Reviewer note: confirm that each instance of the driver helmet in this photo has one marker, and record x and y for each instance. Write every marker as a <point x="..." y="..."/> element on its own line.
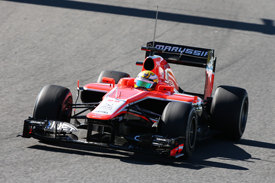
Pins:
<point x="146" y="80"/>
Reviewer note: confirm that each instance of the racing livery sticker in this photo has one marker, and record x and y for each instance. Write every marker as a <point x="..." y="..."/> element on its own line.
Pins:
<point x="177" y="49"/>
<point x="108" y="106"/>
<point x="171" y="79"/>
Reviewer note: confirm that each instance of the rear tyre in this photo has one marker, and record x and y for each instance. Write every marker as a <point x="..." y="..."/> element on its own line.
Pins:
<point x="112" y="74"/>
<point x="229" y="110"/>
<point x="53" y="103"/>
<point x="180" y="120"/>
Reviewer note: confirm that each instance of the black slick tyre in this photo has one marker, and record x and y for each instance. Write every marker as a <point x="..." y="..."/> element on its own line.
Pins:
<point x="180" y="120"/>
<point x="53" y="103"/>
<point x="229" y="111"/>
<point x="112" y="74"/>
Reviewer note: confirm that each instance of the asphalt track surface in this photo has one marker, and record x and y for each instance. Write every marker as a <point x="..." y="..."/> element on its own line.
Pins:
<point x="58" y="42"/>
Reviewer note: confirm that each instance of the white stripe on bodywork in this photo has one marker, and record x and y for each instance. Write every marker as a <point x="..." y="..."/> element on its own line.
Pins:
<point x="156" y="98"/>
<point x="88" y="89"/>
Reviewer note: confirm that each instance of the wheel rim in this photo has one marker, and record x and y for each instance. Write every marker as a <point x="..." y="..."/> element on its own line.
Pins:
<point x="243" y="117"/>
<point x="192" y="134"/>
<point x="66" y="108"/>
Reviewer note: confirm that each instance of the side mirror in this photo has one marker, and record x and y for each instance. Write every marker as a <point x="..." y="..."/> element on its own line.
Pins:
<point x="162" y="88"/>
<point x="109" y="80"/>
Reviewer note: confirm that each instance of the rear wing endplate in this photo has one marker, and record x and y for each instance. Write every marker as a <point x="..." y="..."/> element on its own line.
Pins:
<point x="180" y="54"/>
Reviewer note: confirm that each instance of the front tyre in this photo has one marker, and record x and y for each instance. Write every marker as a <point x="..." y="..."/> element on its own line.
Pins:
<point x="53" y="103"/>
<point x="180" y="120"/>
<point x="229" y="111"/>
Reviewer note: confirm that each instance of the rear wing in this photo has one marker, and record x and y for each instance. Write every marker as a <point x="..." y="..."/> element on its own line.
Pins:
<point x="186" y="55"/>
<point x="180" y="54"/>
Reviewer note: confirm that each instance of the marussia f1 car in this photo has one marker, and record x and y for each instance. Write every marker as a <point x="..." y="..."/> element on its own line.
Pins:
<point x="125" y="113"/>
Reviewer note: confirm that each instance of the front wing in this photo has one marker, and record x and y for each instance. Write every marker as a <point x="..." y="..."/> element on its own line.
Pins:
<point x="52" y="131"/>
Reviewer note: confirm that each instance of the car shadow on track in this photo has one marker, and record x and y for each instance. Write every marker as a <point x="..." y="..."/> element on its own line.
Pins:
<point x="267" y="27"/>
<point x="213" y="152"/>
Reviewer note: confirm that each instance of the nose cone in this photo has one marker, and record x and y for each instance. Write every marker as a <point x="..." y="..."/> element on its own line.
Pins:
<point x="107" y="109"/>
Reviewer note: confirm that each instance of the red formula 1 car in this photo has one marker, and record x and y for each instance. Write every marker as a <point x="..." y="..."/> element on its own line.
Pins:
<point x="150" y="113"/>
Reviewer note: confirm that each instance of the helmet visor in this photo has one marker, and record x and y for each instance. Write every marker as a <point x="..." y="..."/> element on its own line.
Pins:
<point x="144" y="84"/>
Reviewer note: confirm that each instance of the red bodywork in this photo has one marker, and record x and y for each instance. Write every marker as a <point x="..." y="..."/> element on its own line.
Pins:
<point x="122" y="94"/>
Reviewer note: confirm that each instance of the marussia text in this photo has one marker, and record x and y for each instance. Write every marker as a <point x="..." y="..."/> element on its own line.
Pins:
<point x="182" y="50"/>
